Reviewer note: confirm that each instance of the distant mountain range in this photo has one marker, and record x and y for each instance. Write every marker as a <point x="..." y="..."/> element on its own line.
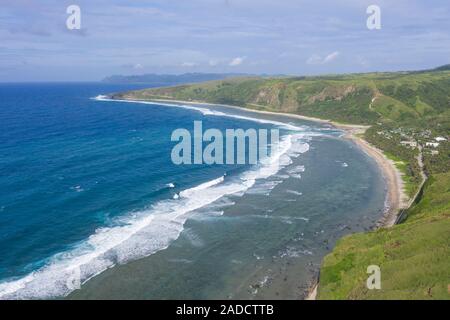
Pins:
<point x="196" y="77"/>
<point x="171" y="79"/>
<point x="443" y="68"/>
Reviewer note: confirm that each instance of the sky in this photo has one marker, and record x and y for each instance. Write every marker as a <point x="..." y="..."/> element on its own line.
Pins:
<point x="295" y="37"/>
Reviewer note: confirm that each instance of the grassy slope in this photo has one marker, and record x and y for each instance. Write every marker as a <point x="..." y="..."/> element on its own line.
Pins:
<point x="413" y="256"/>
<point x="400" y="96"/>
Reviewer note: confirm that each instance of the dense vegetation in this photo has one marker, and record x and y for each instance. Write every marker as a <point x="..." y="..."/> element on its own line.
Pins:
<point x="388" y="139"/>
<point x="401" y="107"/>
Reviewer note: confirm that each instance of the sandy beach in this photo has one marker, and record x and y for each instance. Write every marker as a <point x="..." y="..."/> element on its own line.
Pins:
<point x="396" y="197"/>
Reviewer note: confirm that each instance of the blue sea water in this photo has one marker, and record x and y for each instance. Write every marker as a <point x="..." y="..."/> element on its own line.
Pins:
<point x="70" y="165"/>
<point x="90" y="184"/>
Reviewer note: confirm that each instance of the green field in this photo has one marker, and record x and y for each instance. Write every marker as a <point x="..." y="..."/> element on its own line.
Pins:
<point x="414" y="256"/>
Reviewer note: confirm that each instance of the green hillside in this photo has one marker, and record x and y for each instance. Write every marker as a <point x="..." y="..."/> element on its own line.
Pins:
<point x="347" y="98"/>
<point x="402" y="108"/>
<point x="414" y="256"/>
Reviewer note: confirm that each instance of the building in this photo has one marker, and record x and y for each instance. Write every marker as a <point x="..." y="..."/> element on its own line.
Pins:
<point x="434" y="152"/>
<point x="439" y="139"/>
<point x="432" y="144"/>
<point x="411" y="144"/>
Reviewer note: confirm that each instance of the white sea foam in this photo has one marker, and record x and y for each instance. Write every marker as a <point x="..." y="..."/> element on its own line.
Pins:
<point x="184" y="261"/>
<point x="144" y="234"/>
<point x="343" y="164"/>
<point x="193" y="238"/>
<point x="77" y="188"/>
<point x="259" y="285"/>
<point x="208" y="112"/>
<point x="264" y="188"/>
<point x="284" y="218"/>
<point x="294" y="192"/>
<point x="190" y="192"/>
<point x="282" y="176"/>
<point x="296" y="171"/>
<point x="292" y="252"/>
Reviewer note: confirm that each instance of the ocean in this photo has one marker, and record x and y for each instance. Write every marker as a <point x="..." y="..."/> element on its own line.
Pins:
<point x="89" y="193"/>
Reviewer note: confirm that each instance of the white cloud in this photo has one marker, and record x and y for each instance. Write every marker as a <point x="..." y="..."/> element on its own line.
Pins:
<point x="136" y="66"/>
<point x="213" y="63"/>
<point x="331" y="57"/>
<point x="236" y="61"/>
<point x="316" y="59"/>
<point x="362" y="61"/>
<point x="189" y="64"/>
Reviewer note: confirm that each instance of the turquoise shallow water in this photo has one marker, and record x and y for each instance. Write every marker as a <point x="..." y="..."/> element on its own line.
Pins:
<point x="90" y="185"/>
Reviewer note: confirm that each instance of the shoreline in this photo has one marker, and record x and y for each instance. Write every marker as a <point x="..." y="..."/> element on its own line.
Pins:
<point x="287" y="115"/>
<point x="396" y="198"/>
